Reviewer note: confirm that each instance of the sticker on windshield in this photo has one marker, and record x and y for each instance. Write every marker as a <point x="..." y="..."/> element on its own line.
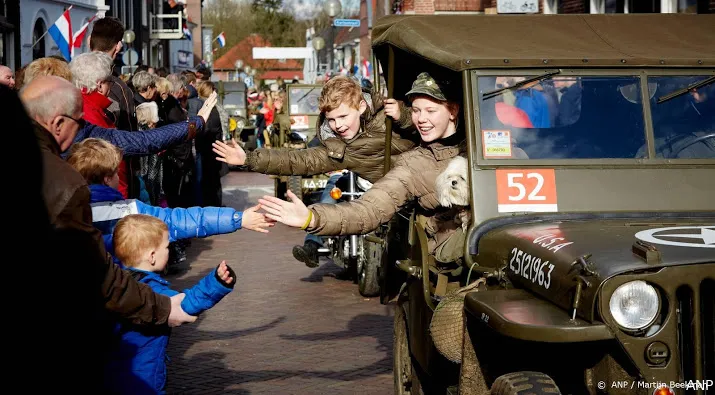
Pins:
<point x="681" y="236"/>
<point x="299" y="122"/>
<point x="496" y="143"/>
<point x="526" y="190"/>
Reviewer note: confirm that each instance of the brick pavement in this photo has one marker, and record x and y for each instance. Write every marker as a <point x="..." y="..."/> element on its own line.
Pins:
<point x="286" y="328"/>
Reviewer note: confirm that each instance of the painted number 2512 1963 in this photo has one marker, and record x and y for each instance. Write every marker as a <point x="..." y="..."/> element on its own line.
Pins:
<point x="530" y="267"/>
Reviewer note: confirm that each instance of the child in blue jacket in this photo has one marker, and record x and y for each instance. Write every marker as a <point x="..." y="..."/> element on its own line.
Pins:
<point x="98" y="162"/>
<point x="137" y="359"/>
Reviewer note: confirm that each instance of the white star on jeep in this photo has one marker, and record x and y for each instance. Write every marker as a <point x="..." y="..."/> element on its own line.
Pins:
<point x="706" y="235"/>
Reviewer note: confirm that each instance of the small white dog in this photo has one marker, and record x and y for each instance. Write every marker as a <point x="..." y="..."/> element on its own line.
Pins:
<point x="453" y="189"/>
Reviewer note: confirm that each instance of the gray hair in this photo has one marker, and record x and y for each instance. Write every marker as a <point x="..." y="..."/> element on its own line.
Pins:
<point x="142" y="81"/>
<point x="90" y="68"/>
<point x="178" y="82"/>
<point x="64" y="99"/>
<point x="147" y="113"/>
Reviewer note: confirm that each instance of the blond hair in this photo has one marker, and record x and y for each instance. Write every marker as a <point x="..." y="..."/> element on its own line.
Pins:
<point x="136" y="234"/>
<point x="205" y="88"/>
<point x="163" y="85"/>
<point x="95" y="159"/>
<point x="339" y="90"/>
<point x="47" y="66"/>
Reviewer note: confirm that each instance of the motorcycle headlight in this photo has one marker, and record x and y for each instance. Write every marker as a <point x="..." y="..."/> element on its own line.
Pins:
<point x="363" y="184"/>
<point x="634" y="305"/>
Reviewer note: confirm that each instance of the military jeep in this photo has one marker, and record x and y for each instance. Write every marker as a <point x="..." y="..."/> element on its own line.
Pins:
<point x="232" y="96"/>
<point x="589" y="263"/>
<point x="304" y="112"/>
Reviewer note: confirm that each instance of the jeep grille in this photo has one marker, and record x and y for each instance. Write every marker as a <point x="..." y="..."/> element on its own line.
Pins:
<point x="696" y="331"/>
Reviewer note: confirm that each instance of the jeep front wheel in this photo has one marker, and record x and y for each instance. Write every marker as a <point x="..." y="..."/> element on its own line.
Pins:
<point x="522" y="383"/>
<point x="405" y="377"/>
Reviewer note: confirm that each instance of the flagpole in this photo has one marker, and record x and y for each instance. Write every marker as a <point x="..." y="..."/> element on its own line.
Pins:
<point x="46" y="31"/>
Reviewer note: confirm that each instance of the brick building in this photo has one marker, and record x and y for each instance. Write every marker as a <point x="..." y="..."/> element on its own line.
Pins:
<point x="267" y="70"/>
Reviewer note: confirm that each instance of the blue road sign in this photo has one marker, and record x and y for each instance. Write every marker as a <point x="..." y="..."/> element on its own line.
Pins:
<point x="346" y="23"/>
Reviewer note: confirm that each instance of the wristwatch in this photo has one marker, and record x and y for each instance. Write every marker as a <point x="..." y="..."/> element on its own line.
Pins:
<point x="192" y="131"/>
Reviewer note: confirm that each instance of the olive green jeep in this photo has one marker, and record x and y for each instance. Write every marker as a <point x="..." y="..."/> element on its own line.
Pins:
<point x="304" y="112"/>
<point x="589" y="263"/>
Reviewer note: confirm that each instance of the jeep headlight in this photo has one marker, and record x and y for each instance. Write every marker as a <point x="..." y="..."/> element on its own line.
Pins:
<point x="363" y="184"/>
<point x="634" y="305"/>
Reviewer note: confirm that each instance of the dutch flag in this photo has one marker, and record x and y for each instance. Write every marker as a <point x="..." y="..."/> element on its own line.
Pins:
<point x="187" y="32"/>
<point x="221" y="40"/>
<point x="80" y="34"/>
<point x="366" y="69"/>
<point x="61" y="32"/>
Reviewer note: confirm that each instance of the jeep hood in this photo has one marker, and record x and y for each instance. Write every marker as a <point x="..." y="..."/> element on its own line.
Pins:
<point x="540" y="256"/>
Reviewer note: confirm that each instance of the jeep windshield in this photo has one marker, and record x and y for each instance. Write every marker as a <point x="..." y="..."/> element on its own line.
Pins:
<point x="234" y="99"/>
<point x="592" y="117"/>
<point x="683" y="126"/>
<point x="304" y="100"/>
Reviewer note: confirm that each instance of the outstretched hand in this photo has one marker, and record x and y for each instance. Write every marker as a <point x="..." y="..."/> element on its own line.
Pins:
<point x="224" y="274"/>
<point x="255" y="221"/>
<point x="293" y="213"/>
<point x="209" y="104"/>
<point x="232" y="154"/>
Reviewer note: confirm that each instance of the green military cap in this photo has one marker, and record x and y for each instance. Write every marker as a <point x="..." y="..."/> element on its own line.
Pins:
<point x="426" y="85"/>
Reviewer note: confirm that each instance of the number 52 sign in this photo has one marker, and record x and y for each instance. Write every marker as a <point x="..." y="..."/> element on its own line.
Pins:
<point x="526" y="190"/>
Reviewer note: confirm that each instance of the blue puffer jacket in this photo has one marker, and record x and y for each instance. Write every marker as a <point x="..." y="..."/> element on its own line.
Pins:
<point x="137" y="361"/>
<point x="109" y="206"/>
<point x="140" y="143"/>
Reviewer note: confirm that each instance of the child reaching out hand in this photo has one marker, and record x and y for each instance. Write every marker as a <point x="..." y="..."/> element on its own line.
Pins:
<point x="98" y="162"/>
<point x="137" y="360"/>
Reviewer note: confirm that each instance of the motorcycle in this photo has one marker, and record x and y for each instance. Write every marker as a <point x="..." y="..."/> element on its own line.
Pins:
<point x="359" y="254"/>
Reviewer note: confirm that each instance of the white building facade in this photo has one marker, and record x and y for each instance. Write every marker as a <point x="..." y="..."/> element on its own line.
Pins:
<point x="36" y="16"/>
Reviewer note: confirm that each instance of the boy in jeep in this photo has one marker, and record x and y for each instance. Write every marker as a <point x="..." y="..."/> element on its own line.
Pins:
<point x="351" y="130"/>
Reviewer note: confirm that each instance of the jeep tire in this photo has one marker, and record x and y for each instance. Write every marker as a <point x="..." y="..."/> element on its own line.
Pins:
<point x="522" y="383"/>
<point x="295" y="185"/>
<point x="404" y="374"/>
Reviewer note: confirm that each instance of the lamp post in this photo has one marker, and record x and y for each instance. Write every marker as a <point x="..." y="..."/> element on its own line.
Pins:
<point x="332" y="8"/>
<point x="318" y="44"/>
<point x="128" y="38"/>
<point x="340" y="55"/>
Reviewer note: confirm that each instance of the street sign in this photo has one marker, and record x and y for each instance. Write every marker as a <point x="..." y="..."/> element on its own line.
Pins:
<point x="130" y="57"/>
<point x="346" y="23"/>
<point x="282" y="53"/>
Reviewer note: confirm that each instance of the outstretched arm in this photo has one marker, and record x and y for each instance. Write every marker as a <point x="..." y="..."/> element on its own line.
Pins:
<point x="303" y="162"/>
<point x="144" y="142"/>
<point x="359" y="216"/>
<point x="152" y="141"/>
<point x="192" y="222"/>
<point x="210" y="290"/>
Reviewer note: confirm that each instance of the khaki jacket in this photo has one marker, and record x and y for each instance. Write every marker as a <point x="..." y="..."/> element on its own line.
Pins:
<point x="364" y="154"/>
<point x="412" y="178"/>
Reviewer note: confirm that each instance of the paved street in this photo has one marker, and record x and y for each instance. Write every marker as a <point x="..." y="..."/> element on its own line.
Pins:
<point x="286" y="328"/>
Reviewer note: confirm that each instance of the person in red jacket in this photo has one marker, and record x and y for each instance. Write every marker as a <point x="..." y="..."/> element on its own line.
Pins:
<point x="91" y="73"/>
